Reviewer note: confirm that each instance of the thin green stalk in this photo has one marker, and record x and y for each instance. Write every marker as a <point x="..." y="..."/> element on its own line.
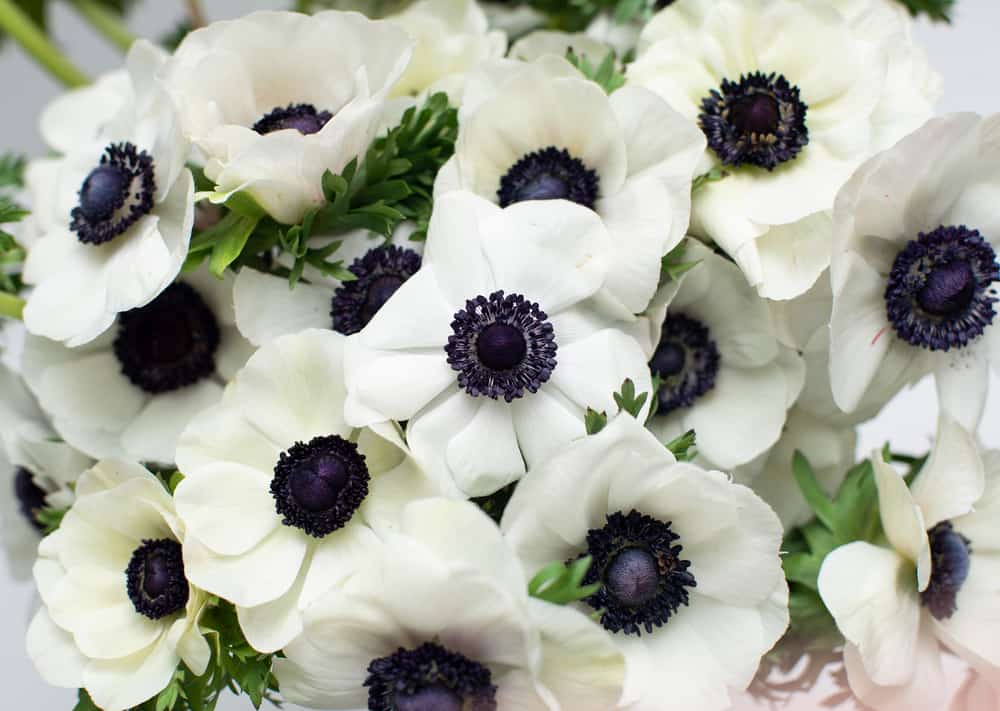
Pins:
<point x="18" y="25"/>
<point x="105" y="22"/>
<point x="11" y="306"/>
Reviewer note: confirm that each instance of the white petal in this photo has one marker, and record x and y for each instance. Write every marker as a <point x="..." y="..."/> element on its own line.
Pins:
<point x="228" y="507"/>
<point x="553" y="253"/>
<point x="267" y="308"/>
<point x="953" y="479"/>
<point x="455" y="250"/>
<point x="483" y="456"/>
<point x="221" y="433"/>
<point x="238" y="578"/>
<point x="52" y="651"/>
<point x="902" y="520"/>
<point x="545" y="421"/>
<point x="742" y="416"/>
<point x="581" y="666"/>
<point x="590" y="370"/>
<point x="975" y="624"/>
<point x="860" y="334"/>
<point x="152" y="436"/>
<point x="128" y="681"/>
<point x="962" y="383"/>
<point x="876" y="607"/>
<point x="925" y="690"/>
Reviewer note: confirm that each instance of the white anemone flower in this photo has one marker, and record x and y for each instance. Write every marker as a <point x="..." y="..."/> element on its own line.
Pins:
<point x="440" y="621"/>
<point x="275" y="99"/>
<point x="693" y="593"/>
<point x="281" y="497"/>
<point x="522" y="138"/>
<point x="792" y="96"/>
<point x="452" y="38"/>
<point x="934" y="584"/>
<point x="830" y="449"/>
<point x="115" y="231"/>
<point x="131" y="392"/>
<point x="38" y="471"/>
<point x="493" y="351"/>
<point x="539" y="43"/>
<point x="722" y="371"/>
<point x="267" y="308"/>
<point x="915" y="274"/>
<point x="119" y="614"/>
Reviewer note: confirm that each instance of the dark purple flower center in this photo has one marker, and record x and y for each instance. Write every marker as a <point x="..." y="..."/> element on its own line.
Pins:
<point x="115" y="195"/>
<point x="169" y="343"/>
<point x="155" y="579"/>
<point x="950" y="562"/>
<point x="429" y="678"/>
<point x="304" y="118"/>
<point x="686" y="361"/>
<point x="942" y="288"/>
<point x="30" y="496"/>
<point x="319" y="485"/>
<point x="759" y="120"/>
<point x="549" y="174"/>
<point x="379" y="274"/>
<point x="643" y="578"/>
<point x="502" y="346"/>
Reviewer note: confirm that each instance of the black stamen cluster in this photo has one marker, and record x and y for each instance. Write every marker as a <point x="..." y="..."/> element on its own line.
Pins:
<point x="549" y="174"/>
<point x="155" y="579"/>
<point x="687" y="362"/>
<point x="115" y="195"/>
<point x="379" y="274"/>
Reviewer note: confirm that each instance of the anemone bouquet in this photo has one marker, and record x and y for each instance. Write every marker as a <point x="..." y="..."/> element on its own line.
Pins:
<point x="446" y="356"/>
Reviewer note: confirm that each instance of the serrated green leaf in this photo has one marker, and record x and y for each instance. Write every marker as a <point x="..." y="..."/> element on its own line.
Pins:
<point x="594" y="421"/>
<point x="682" y="447"/>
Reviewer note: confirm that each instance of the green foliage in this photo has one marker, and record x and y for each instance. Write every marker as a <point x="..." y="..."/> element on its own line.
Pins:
<point x="50" y="518"/>
<point x="673" y="265"/>
<point x="11" y="171"/>
<point x="714" y="175"/>
<point x="84" y="702"/>
<point x="683" y="447"/>
<point x="234" y="665"/>
<point x="496" y="503"/>
<point x="606" y="75"/>
<point x="935" y="9"/>
<point x="393" y="182"/>
<point x="559" y="583"/>
<point x="851" y="515"/>
<point x="38" y="10"/>
<point x="627" y="401"/>
<point x="575" y="15"/>
<point x="11" y="253"/>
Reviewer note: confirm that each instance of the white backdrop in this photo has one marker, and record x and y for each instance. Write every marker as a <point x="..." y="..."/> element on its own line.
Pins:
<point x="966" y="53"/>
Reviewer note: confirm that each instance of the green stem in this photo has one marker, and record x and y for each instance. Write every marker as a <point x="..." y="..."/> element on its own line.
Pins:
<point x="18" y="25"/>
<point x="11" y="306"/>
<point x="105" y="22"/>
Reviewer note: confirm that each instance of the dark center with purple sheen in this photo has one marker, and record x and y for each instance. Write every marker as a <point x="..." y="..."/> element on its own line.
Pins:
<point x="319" y="485"/>
<point x="942" y="288"/>
<point x="155" y="579"/>
<point x="549" y="174"/>
<point x="429" y="678"/>
<point x="644" y="579"/>
<point x="304" y="118"/>
<point x="950" y="563"/>
<point x="115" y="195"/>
<point x="380" y="273"/>
<point x="170" y="343"/>
<point x="686" y="361"/>
<point x="503" y="345"/>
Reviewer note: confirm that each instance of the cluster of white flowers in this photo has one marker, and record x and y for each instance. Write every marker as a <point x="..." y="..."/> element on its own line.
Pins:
<point x="393" y="364"/>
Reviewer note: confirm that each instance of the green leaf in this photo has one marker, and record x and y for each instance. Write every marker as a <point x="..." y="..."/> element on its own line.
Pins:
<point x="559" y="583"/>
<point x="812" y="491"/>
<point x="606" y="75"/>
<point x="712" y="176"/>
<point x="683" y="447"/>
<point x="84" y="702"/>
<point x="628" y="401"/>
<point x="803" y="568"/>
<point x="12" y="171"/>
<point x="595" y="421"/>
<point x="50" y="518"/>
<point x="673" y="266"/>
<point x="230" y="244"/>
<point x="935" y="9"/>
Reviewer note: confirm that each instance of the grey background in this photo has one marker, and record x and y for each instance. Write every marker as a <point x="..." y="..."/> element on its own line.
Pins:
<point x="966" y="53"/>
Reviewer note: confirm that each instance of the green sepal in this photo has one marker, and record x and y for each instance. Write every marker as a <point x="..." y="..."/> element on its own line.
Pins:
<point x="683" y="447"/>
<point x="559" y="583"/>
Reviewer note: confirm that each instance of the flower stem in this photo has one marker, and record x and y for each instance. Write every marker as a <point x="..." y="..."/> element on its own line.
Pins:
<point x="105" y="22"/>
<point x="18" y="25"/>
<point x="11" y="306"/>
